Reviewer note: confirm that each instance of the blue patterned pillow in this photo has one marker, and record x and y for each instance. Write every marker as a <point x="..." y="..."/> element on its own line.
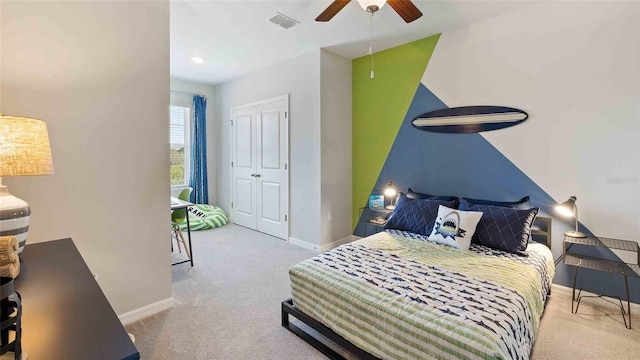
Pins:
<point x="522" y="204"/>
<point x="502" y="228"/>
<point x="415" y="215"/>
<point x="416" y="195"/>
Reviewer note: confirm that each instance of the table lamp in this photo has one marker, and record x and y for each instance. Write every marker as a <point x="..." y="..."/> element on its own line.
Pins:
<point x="24" y="151"/>
<point x="569" y="209"/>
<point x="390" y="192"/>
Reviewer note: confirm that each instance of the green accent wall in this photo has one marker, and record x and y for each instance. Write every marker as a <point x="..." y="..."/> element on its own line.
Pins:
<point x="379" y="106"/>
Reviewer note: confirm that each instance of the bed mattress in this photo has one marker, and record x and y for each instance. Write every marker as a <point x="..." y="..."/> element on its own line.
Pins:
<point x="398" y="296"/>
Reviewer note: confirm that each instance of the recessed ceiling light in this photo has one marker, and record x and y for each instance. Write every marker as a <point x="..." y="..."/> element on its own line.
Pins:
<point x="197" y="59"/>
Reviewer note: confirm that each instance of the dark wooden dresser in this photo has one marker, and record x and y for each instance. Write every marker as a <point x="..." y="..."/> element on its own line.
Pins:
<point x="65" y="314"/>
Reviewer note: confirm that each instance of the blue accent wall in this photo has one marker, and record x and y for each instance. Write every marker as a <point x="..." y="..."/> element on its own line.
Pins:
<point x="467" y="165"/>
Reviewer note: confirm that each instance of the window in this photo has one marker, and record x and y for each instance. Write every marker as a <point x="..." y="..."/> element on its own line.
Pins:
<point x="179" y="120"/>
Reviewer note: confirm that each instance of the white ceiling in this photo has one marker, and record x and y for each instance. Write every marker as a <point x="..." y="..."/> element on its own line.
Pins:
<point x="235" y="37"/>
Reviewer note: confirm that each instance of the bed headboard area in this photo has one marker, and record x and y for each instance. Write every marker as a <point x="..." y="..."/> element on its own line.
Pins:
<point x="579" y="138"/>
<point x="541" y="231"/>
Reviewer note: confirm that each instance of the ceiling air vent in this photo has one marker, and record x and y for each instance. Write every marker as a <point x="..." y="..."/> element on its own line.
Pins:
<point x="283" y="20"/>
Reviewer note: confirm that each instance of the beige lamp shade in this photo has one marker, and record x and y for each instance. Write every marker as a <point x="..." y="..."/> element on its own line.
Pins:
<point x="24" y="147"/>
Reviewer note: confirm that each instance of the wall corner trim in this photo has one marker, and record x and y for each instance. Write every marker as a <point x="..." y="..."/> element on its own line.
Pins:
<point x="304" y="244"/>
<point x="338" y="242"/>
<point x="325" y="247"/>
<point x="145" y="311"/>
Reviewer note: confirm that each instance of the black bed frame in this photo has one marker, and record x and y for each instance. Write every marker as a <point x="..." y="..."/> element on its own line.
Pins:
<point x="288" y="308"/>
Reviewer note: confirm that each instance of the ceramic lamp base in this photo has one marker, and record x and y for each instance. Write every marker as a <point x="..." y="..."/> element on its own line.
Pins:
<point x="14" y="217"/>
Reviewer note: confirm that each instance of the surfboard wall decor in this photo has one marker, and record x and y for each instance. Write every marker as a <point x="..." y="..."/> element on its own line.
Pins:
<point x="469" y="119"/>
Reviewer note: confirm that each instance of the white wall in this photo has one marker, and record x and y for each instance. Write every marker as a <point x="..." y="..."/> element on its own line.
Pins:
<point x="186" y="89"/>
<point x="98" y="74"/>
<point x="336" y="151"/>
<point x="575" y="68"/>
<point x="319" y="84"/>
<point x="299" y="77"/>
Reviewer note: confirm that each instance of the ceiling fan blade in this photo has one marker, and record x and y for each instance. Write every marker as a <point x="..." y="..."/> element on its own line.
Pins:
<point x="332" y="10"/>
<point x="406" y="9"/>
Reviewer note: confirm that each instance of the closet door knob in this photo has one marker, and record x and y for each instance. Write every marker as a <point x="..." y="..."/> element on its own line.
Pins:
<point x="258" y="175"/>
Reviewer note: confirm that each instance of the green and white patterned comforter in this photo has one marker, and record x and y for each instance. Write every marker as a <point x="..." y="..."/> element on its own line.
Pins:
<point x="398" y="296"/>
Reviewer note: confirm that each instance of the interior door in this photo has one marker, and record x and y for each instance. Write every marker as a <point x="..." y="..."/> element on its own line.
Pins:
<point x="271" y="168"/>
<point x="260" y="180"/>
<point x="243" y="163"/>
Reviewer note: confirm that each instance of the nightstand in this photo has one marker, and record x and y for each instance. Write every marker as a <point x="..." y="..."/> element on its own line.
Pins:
<point x="365" y="227"/>
<point x="631" y="251"/>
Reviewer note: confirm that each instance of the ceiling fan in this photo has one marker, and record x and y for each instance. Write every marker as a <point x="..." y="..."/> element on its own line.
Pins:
<point x="405" y="8"/>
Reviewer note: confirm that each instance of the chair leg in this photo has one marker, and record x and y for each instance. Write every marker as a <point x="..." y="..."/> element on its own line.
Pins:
<point x="175" y="234"/>
<point x="186" y="249"/>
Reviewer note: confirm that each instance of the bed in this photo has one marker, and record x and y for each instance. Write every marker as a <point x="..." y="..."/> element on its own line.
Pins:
<point x="397" y="295"/>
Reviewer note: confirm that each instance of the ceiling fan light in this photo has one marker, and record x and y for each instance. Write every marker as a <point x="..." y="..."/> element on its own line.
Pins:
<point x="366" y="3"/>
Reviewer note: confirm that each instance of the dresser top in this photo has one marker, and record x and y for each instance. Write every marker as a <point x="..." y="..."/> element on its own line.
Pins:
<point x="65" y="314"/>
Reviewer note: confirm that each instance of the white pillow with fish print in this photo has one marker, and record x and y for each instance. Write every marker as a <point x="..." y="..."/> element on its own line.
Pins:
<point x="454" y="227"/>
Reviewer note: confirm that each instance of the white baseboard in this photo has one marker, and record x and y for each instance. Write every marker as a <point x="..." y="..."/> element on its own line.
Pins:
<point x="325" y="247"/>
<point x="304" y="244"/>
<point x="566" y="292"/>
<point x="336" y="243"/>
<point x="145" y="311"/>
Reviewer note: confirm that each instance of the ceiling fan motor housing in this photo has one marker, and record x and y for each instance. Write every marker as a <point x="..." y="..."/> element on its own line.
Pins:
<point x="372" y="8"/>
<point x="372" y="5"/>
<point x="405" y="8"/>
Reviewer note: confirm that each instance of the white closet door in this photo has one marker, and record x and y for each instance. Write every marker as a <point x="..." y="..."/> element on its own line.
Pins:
<point x="244" y="193"/>
<point x="272" y="179"/>
<point x="259" y="156"/>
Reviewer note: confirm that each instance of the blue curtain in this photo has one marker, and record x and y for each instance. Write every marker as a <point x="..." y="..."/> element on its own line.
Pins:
<point x="198" y="178"/>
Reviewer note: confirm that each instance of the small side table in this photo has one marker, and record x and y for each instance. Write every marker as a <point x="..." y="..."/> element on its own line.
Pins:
<point x="595" y="263"/>
<point x="366" y="227"/>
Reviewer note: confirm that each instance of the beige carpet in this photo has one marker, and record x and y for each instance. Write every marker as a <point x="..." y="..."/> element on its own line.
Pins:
<point x="228" y="307"/>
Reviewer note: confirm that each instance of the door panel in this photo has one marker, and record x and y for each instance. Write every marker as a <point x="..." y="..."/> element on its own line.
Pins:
<point x="271" y="156"/>
<point x="270" y="201"/>
<point x="244" y="135"/>
<point x="270" y="135"/>
<point x="243" y="195"/>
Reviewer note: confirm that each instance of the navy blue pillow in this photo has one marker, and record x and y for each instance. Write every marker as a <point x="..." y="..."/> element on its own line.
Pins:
<point x="415" y="215"/>
<point x="522" y="204"/>
<point x="416" y="195"/>
<point x="502" y="228"/>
